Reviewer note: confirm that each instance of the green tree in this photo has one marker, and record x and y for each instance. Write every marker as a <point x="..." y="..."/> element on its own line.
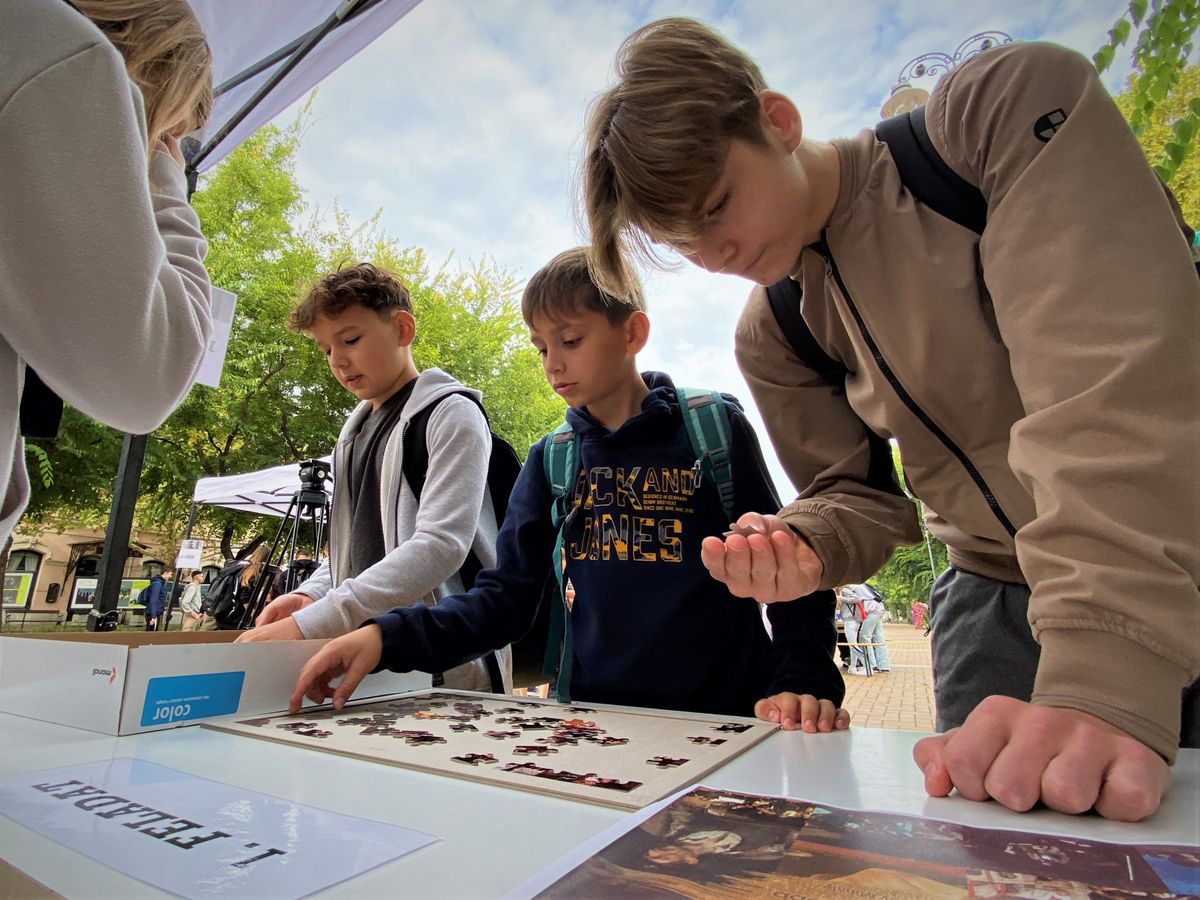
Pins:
<point x="1159" y="132"/>
<point x="1166" y="35"/>
<point x="909" y="574"/>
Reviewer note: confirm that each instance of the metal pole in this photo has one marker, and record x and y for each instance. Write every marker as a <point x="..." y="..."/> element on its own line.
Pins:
<point x="116" y="543"/>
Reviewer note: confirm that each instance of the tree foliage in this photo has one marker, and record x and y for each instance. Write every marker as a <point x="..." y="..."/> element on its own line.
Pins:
<point x="910" y="573"/>
<point x="1166" y="35"/>
<point x="277" y="401"/>
<point x="1159" y="131"/>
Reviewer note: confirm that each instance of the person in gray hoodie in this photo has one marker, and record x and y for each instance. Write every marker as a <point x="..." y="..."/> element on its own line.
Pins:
<point x="386" y="548"/>
<point x="102" y="257"/>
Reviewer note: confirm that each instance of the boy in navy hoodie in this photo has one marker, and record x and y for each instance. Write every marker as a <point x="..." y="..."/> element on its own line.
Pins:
<point x="649" y="626"/>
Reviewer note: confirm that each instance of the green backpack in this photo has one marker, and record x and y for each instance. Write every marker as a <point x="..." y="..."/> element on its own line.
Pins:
<point x="706" y="417"/>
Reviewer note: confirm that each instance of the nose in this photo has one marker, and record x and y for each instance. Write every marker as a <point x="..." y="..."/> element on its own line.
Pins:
<point x="553" y="362"/>
<point x="712" y="252"/>
<point x="337" y="358"/>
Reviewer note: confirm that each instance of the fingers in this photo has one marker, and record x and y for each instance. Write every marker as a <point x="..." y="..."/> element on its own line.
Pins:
<point x="802" y="711"/>
<point x="360" y="667"/>
<point x="763" y="566"/>
<point x="1019" y="754"/>
<point x="712" y="554"/>
<point x="929" y="755"/>
<point x="1135" y="784"/>
<point x="271" y="613"/>
<point x="316" y="672"/>
<point x="970" y="753"/>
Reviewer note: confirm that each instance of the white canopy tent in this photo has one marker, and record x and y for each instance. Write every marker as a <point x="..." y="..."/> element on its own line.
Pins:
<point x="267" y="492"/>
<point x="254" y="43"/>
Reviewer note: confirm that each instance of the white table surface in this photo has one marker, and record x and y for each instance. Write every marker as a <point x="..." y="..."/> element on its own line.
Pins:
<point x="494" y="838"/>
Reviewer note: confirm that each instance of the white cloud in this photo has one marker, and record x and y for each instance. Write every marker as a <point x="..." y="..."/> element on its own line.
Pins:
<point x="463" y="123"/>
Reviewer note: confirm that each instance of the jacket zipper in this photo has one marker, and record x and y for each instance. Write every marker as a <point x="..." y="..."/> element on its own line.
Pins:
<point x="832" y="269"/>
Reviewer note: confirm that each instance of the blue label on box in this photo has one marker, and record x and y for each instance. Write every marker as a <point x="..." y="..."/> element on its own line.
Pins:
<point x="179" y="698"/>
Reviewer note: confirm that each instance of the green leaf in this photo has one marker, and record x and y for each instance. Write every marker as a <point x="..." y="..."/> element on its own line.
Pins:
<point x="1137" y="10"/>
<point x="1185" y="130"/>
<point x="1194" y="105"/>
<point x="1175" y="153"/>
<point x="1120" y="31"/>
<point x="1166" y="173"/>
<point x="1104" y="57"/>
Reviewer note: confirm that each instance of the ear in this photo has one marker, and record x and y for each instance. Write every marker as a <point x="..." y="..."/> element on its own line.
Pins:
<point x="405" y="326"/>
<point x="781" y="120"/>
<point x="637" y="332"/>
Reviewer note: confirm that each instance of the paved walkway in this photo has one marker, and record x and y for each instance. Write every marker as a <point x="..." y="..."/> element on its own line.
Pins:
<point x="903" y="698"/>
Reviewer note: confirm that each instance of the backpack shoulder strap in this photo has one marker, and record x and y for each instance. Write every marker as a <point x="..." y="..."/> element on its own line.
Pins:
<point x="561" y="464"/>
<point x="414" y="463"/>
<point x="414" y="460"/>
<point x="926" y="175"/>
<point x="706" y="418"/>
<point x="784" y="297"/>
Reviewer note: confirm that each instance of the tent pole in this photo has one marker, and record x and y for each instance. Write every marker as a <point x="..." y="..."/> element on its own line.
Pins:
<point x="344" y="11"/>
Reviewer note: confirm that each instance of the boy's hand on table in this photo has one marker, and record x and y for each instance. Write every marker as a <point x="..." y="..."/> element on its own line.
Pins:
<point x="1017" y="753"/>
<point x="804" y="711"/>
<point x="352" y="656"/>
<point x="282" y="630"/>
<point x="761" y="557"/>
<point x="282" y="607"/>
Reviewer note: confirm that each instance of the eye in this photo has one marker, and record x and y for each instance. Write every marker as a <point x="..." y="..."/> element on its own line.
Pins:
<point x="352" y="341"/>
<point x="717" y="207"/>
<point x="573" y="342"/>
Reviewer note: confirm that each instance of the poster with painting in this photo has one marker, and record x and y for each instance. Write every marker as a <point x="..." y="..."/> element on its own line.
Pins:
<point x="711" y="843"/>
<point x="616" y="756"/>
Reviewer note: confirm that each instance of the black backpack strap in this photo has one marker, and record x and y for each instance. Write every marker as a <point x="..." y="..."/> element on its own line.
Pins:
<point x="784" y="297"/>
<point x="414" y="463"/>
<point x="926" y="174"/>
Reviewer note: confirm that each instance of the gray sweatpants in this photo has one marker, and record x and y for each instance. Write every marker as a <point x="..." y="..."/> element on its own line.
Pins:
<point x="982" y="645"/>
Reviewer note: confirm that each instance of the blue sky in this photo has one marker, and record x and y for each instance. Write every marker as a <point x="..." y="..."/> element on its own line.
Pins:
<point x="462" y="125"/>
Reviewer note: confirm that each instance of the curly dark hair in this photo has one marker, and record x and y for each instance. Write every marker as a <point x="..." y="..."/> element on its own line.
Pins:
<point x="353" y="284"/>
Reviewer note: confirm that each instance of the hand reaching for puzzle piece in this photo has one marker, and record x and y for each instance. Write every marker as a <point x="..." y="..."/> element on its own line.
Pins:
<point x="351" y="657"/>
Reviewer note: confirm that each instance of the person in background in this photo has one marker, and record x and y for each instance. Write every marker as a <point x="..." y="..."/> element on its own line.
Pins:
<point x="870" y="632"/>
<point x="191" y="604"/>
<point x="156" y="599"/>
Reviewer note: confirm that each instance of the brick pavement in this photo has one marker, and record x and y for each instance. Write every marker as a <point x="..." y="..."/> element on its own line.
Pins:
<point x="903" y="698"/>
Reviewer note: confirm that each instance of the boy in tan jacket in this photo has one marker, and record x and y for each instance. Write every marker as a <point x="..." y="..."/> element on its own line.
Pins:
<point x="1041" y="379"/>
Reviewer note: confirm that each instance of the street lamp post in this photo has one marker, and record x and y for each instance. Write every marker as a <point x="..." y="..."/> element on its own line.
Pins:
<point x="906" y="96"/>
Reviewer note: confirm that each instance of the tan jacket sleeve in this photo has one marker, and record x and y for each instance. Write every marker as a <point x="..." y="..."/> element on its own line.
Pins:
<point x="850" y="509"/>
<point x="1099" y="307"/>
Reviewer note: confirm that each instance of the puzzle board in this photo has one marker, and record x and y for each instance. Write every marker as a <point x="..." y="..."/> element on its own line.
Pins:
<point x="616" y="756"/>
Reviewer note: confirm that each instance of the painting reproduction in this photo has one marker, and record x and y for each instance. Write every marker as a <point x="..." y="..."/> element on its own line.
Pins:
<point x="722" y="844"/>
<point x="616" y="756"/>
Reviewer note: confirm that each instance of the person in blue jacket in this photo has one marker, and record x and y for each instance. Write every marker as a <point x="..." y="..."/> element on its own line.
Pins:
<point x="649" y="626"/>
<point x="156" y="599"/>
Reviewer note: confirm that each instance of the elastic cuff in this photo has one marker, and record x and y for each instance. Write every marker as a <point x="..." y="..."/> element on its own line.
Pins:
<point x="391" y="630"/>
<point x="1115" y="679"/>
<point x="825" y="541"/>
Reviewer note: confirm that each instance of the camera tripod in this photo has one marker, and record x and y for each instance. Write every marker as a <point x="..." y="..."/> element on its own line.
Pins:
<point x="307" y="514"/>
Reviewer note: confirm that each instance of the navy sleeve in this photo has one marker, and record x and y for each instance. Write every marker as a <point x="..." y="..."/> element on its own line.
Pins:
<point x="803" y="633"/>
<point x="501" y="606"/>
